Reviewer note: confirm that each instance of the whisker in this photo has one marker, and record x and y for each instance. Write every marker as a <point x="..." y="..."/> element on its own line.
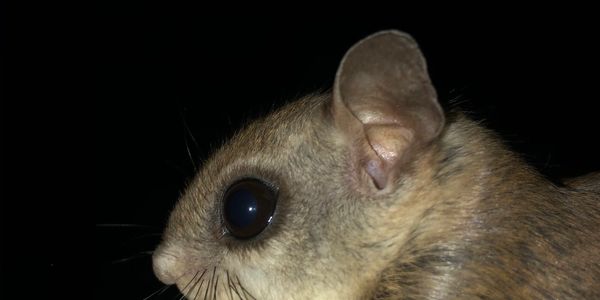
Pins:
<point x="233" y="285"/>
<point x="242" y="293"/>
<point x="194" y="285"/>
<point x="192" y="136"/>
<point x="185" y="287"/>
<point x="203" y="272"/>
<point x="201" y="283"/>
<point x="215" y="289"/>
<point x="210" y="282"/>
<point x="161" y="290"/>
<point x="126" y="225"/>
<point x="145" y="235"/>
<point x="185" y="138"/>
<point x="244" y="289"/>
<point x="180" y="276"/>
<point x="229" y="285"/>
<point x="187" y="147"/>
<point x="139" y="255"/>
<point x="199" y="288"/>
<point x="138" y="238"/>
<point x="168" y="286"/>
<point x="180" y="293"/>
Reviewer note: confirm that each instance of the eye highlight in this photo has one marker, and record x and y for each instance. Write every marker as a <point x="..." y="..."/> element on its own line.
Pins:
<point x="248" y="207"/>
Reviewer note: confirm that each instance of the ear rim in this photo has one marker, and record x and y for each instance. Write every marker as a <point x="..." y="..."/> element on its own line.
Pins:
<point x="422" y="62"/>
<point x="373" y="161"/>
<point x="395" y="32"/>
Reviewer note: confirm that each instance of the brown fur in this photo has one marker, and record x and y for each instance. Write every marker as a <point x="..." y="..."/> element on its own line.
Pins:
<point x="458" y="217"/>
<point x="501" y="231"/>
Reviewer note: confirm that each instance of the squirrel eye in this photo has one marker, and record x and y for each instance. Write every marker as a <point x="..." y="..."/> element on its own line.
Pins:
<point x="248" y="208"/>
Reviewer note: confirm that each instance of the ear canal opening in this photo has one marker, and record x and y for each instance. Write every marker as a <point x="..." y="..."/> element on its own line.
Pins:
<point x="375" y="170"/>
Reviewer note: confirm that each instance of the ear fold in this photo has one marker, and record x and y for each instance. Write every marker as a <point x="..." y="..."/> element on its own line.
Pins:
<point x="385" y="105"/>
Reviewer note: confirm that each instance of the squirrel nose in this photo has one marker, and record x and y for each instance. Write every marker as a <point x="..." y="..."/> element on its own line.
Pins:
<point x="167" y="264"/>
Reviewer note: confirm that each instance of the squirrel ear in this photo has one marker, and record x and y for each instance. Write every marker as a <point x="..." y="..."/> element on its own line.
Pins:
<point x="384" y="104"/>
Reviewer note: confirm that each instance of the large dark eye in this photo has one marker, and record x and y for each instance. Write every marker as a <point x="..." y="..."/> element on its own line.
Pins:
<point x="248" y="208"/>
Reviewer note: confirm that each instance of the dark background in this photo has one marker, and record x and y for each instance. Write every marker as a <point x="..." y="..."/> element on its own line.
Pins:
<point x="171" y="83"/>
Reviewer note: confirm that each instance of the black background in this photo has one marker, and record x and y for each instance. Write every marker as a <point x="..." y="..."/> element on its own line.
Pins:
<point x="171" y="83"/>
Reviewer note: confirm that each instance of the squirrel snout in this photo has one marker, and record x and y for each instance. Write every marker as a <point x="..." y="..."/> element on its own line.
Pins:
<point x="166" y="263"/>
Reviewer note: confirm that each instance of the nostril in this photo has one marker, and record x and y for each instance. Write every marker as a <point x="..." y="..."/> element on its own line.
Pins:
<point x="166" y="264"/>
